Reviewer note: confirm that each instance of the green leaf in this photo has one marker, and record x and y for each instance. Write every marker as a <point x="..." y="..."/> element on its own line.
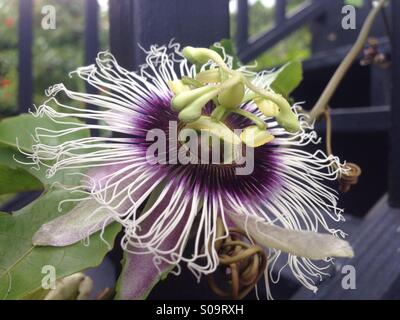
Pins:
<point x="22" y="127"/>
<point x="9" y="155"/>
<point x="287" y="78"/>
<point x="355" y="3"/>
<point x="39" y="294"/>
<point x="14" y="180"/>
<point x="229" y="48"/>
<point x="283" y="81"/>
<point x="15" y="177"/>
<point x="21" y="263"/>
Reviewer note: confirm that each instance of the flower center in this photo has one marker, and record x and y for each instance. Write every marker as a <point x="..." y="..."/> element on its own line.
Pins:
<point x="210" y="142"/>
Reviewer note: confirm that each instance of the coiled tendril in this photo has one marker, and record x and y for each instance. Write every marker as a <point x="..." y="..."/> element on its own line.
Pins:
<point x="241" y="264"/>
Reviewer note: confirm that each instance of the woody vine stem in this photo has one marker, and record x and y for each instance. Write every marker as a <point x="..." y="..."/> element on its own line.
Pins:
<point x="322" y="103"/>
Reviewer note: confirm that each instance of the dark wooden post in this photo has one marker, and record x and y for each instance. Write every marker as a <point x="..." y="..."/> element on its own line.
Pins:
<point x="394" y="153"/>
<point x="91" y="30"/>
<point x="242" y="24"/>
<point x="144" y="22"/>
<point x="91" y="36"/>
<point x="122" y="39"/>
<point x="280" y="12"/>
<point x="25" y="36"/>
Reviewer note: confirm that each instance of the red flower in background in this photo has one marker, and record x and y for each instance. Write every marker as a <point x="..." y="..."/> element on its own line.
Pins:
<point x="9" y="22"/>
<point x="5" y="83"/>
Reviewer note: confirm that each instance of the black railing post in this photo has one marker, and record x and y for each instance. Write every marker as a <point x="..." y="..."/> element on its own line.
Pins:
<point x="242" y="24"/>
<point x="144" y="22"/>
<point x="394" y="153"/>
<point x="91" y="37"/>
<point x="280" y="12"/>
<point x="25" y="38"/>
<point x="122" y="40"/>
<point x="91" y="31"/>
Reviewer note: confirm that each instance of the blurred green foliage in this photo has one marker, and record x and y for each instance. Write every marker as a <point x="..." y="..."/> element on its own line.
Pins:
<point x="55" y="52"/>
<point x="356" y="3"/>
<point x="8" y="55"/>
<point x="295" y="47"/>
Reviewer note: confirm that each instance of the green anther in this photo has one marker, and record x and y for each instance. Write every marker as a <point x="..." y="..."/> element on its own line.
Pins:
<point x="192" y="82"/>
<point x="217" y="128"/>
<point x="192" y="111"/>
<point x="183" y="99"/>
<point x="250" y="96"/>
<point x="177" y="86"/>
<point x="232" y="97"/>
<point x="254" y="137"/>
<point x="267" y="107"/>
<point x="289" y="122"/>
<point x="209" y="76"/>
<point x="286" y="117"/>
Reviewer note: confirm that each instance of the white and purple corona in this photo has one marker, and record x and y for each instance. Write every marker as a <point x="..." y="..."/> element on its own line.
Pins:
<point x="282" y="203"/>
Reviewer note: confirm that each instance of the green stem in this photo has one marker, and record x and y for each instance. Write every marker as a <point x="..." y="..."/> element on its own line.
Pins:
<point x="257" y="121"/>
<point x="218" y="113"/>
<point x="286" y="117"/>
<point x="278" y="99"/>
<point x="192" y="82"/>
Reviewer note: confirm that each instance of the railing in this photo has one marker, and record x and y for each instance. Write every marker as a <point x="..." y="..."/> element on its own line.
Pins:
<point x="25" y="75"/>
<point x="249" y="49"/>
<point x="323" y="16"/>
<point x="25" y="41"/>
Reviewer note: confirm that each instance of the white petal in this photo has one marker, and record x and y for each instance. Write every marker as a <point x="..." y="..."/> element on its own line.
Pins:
<point x="305" y="244"/>
<point x="73" y="226"/>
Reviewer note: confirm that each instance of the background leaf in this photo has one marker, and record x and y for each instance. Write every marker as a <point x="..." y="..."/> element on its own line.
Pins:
<point x="283" y="81"/>
<point x="355" y="3"/>
<point x="8" y="156"/>
<point x="21" y="262"/>
<point x="17" y="180"/>
<point x="24" y="125"/>
<point x="287" y="78"/>
<point x="27" y="177"/>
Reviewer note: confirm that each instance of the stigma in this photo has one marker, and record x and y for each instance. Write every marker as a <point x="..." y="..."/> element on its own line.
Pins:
<point x="229" y="90"/>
